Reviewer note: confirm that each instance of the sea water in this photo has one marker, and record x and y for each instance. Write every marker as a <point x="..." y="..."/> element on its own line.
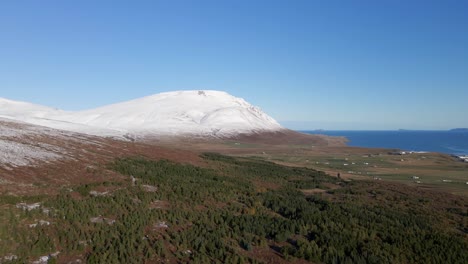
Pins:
<point x="450" y="142"/>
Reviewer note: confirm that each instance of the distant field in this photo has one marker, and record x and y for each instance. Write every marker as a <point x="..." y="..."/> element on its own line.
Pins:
<point x="434" y="170"/>
<point x="429" y="170"/>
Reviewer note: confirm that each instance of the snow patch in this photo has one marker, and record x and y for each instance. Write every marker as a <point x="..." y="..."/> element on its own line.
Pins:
<point x="19" y="154"/>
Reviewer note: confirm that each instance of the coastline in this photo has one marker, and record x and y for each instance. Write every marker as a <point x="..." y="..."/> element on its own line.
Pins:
<point x="439" y="141"/>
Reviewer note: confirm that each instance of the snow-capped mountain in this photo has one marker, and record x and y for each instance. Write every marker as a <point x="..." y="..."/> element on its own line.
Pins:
<point x="173" y="113"/>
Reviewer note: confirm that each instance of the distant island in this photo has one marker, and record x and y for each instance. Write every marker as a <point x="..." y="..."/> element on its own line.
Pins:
<point x="459" y="130"/>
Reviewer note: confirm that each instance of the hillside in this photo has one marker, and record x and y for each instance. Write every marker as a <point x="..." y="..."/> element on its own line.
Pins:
<point x="37" y="159"/>
<point x="230" y="210"/>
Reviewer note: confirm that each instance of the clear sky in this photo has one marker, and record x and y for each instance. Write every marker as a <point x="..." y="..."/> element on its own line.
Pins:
<point x="311" y="64"/>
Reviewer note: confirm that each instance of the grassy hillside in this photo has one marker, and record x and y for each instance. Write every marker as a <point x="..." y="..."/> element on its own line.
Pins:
<point x="233" y="210"/>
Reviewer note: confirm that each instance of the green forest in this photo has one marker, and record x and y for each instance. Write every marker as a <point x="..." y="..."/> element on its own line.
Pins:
<point x="232" y="210"/>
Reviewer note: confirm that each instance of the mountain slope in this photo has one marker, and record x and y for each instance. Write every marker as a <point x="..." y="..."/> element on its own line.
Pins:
<point x="23" y="110"/>
<point x="48" y="117"/>
<point x="36" y="158"/>
<point x="173" y="113"/>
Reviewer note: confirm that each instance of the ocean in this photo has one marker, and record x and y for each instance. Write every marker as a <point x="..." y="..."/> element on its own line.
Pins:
<point x="449" y="142"/>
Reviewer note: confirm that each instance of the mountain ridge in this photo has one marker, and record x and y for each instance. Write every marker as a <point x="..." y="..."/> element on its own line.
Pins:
<point x="196" y="112"/>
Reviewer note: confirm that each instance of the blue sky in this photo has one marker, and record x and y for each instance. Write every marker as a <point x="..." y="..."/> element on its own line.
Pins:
<point x="309" y="64"/>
